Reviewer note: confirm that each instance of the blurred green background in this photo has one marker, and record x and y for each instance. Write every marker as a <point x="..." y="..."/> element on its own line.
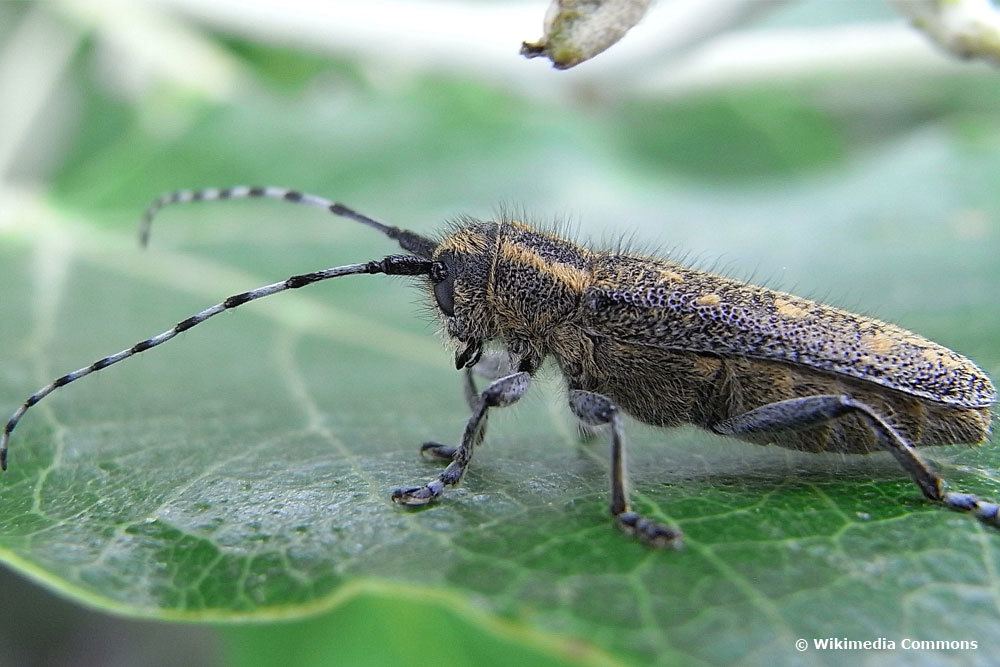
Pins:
<point x="224" y="499"/>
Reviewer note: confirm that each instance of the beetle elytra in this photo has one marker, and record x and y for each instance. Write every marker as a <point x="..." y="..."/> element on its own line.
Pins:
<point x="662" y="342"/>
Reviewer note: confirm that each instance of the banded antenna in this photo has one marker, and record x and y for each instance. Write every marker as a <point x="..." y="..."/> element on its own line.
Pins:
<point x="394" y="265"/>
<point x="409" y="241"/>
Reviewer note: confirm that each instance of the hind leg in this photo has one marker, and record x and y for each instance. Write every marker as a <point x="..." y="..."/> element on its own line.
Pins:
<point x="811" y="410"/>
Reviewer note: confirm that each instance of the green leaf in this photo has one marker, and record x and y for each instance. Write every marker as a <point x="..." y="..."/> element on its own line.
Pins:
<point x="762" y="133"/>
<point x="242" y="472"/>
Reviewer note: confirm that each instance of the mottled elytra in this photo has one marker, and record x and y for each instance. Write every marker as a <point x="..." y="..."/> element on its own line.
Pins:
<point x="648" y="337"/>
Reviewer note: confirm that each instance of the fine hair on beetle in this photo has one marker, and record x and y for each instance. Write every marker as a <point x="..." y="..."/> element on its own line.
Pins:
<point x="649" y="337"/>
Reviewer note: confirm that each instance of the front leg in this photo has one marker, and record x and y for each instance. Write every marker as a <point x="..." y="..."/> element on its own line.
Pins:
<point x="810" y="410"/>
<point x="595" y="409"/>
<point x="499" y="394"/>
<point x="491" y="365"/>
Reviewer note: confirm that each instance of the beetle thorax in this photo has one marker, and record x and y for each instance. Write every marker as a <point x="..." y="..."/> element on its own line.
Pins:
<point x="513" y="282"/>
<point x="536" y="282"/>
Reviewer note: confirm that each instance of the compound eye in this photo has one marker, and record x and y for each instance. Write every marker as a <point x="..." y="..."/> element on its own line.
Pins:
<point x="444" y="293"/>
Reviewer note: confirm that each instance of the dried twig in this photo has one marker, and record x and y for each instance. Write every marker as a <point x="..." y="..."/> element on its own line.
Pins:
<point x="577" y="30"/>
<point x="966" y="28"/>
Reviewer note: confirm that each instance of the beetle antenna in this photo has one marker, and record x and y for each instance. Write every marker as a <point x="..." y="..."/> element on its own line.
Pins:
<point x="409" y="241"/>
<point x="394" y="265"/>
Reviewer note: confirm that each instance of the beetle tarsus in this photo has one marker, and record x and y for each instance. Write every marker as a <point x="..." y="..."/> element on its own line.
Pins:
<point x="417" y="496"/>
<point x="985" y="511"/>
<point x="649" y="532"/>
<point x="435" y="451"/>
<point x="501" y="393"/>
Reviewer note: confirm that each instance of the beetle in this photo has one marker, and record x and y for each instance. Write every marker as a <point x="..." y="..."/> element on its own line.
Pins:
<point x="644" y="336"/>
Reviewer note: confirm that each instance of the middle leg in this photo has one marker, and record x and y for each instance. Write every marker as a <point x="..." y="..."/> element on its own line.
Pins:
<point x="595" y="410"/>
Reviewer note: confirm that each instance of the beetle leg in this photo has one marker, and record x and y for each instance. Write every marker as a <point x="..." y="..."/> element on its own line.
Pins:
<point x="493" y="365"/>
<point x="594" y="410"/>
<point x="803" y="412"/>
<point x="435" y="451"/>
<point x="500" y="393"/>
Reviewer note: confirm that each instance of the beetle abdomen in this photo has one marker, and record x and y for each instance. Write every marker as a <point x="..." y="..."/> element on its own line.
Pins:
<point x="746" y="384"/>
<point x="685" y="387"/>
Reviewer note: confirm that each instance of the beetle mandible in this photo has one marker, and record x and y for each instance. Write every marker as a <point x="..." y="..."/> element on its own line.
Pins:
<point x="662" y="342"/>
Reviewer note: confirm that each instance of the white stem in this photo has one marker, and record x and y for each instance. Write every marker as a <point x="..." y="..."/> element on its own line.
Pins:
<point x="29" y="76"/>
<point x="681" y="47"/>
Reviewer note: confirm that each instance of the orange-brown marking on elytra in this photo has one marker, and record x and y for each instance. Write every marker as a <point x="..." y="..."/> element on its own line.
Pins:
<point x="788" y="309"/>
<point x="573" y="278"/>
<point x="671" y="276"/>
<point x="878" y="343"/>
<point x="708" y="300"/>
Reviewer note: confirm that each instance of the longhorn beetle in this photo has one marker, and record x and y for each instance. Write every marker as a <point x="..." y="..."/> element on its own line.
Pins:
<point x="649" y="337"/>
